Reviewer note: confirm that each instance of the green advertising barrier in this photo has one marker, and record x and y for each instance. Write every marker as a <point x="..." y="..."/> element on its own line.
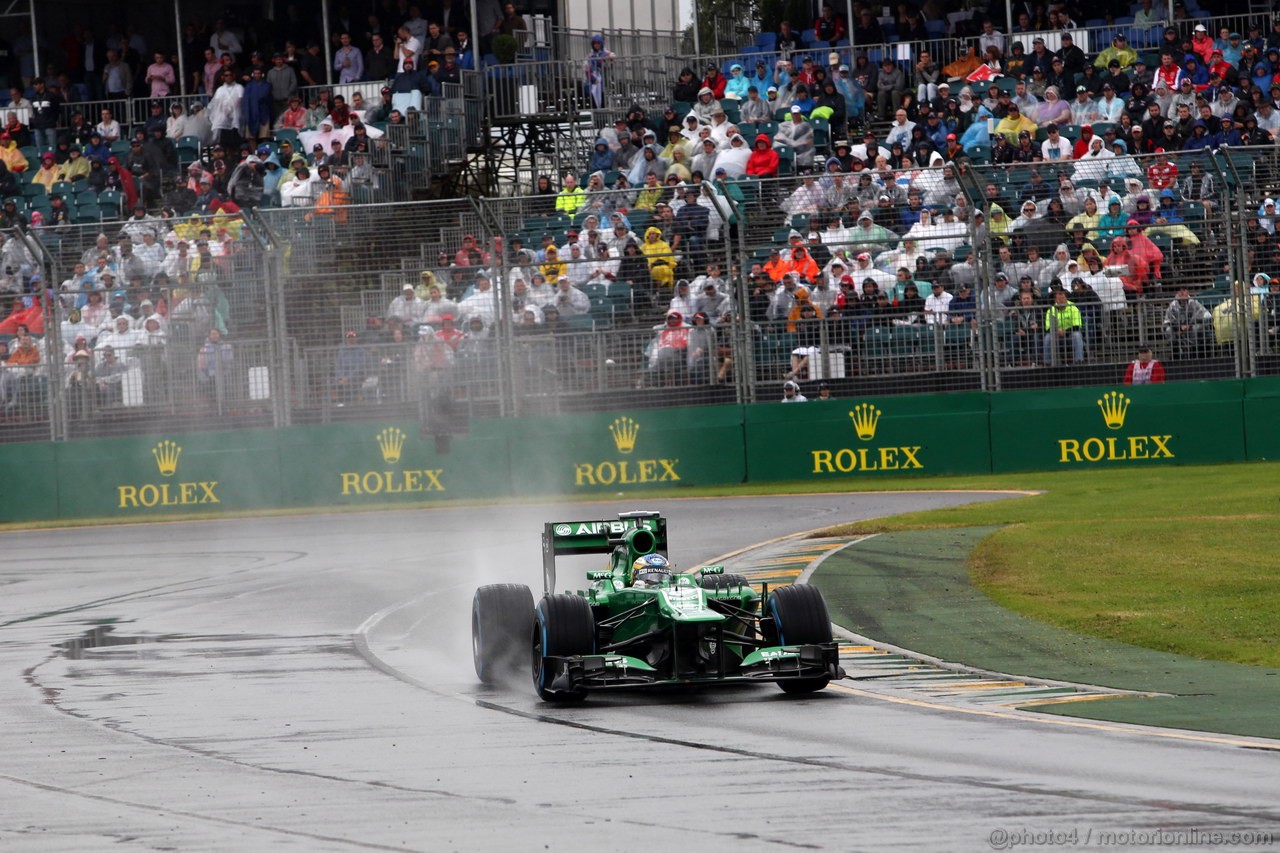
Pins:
<point x="1261" y="415"/>
<point x="351" y="464"/>
<point x="872" y="436"/>
<point x="655" y="448"/>
<point x="1178" y="424"/>
<point x="192" y="472"/>
<point x="374" y="463"/>
<point x="28" y="482"/>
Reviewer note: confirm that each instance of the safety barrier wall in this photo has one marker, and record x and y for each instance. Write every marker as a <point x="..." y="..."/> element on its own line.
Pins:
<point x="1200" y="423"/>
<point x="839" y="441"/>
<point x="890" y="436"/>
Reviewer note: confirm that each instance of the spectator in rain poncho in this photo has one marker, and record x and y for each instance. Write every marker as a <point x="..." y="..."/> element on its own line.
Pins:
<point x="737" y="85"/>
<point x="1092" y="166"/>
<point x="323" y="136"/>
<point x="930" y="235"/>
<point x="648" y="163"/>
<point x="601" y="158"/>
<point x="704" y="158"/>
<point x="1111" y="224"/>
<point x="1052" y="109"/>
<point x="679" y="166"/>
<point x="798" y="134"/>
<point x="734" y="159"/>
<point x="756" y="107"/>
<point x="1122" y="164"/>
<point x="691" y="128"/>
<point x="706" y="105"/>
<point x="595" y="68"/>
<point x="979" y="133"/>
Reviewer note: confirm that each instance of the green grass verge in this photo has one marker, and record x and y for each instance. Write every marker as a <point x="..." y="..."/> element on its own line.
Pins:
<point x="1179" y="560"/>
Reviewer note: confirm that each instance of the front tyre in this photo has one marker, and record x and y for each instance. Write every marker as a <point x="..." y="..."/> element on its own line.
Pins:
<point x="501" y="619"/>
<point x="799" y="615"/>
<point x="563" y="626"/>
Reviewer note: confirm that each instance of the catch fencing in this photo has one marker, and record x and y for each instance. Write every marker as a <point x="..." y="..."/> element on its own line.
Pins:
<point x="314" y="323"/>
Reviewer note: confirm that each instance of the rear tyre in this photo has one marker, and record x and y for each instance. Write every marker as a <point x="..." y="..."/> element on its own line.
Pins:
<point x="800" y="618"/>
<point x="563" y="625"/>
<point x="501" y="620"/>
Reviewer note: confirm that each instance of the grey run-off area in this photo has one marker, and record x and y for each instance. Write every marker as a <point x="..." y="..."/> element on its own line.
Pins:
<point x="207" y="687"/>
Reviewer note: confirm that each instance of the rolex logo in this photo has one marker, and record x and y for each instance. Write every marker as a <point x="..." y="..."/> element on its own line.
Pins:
<point x="391" y="442"/>
<point x="624" y="432"/>
<point x="865" y="417"/>
<point x="166" y="454"/>
<point x="1114" y="406"/>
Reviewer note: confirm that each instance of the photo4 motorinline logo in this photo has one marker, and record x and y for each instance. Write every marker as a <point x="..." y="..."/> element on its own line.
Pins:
<point x="1090" y="837"/>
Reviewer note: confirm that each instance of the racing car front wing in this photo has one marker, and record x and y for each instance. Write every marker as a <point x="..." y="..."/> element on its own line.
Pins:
<point x="771" y="663"/>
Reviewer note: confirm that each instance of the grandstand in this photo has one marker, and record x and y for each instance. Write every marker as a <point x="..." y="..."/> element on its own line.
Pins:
<point x="834" y="256"/>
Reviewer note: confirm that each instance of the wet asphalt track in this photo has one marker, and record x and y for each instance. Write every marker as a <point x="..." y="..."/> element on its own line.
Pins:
<point x="305" y="684"/>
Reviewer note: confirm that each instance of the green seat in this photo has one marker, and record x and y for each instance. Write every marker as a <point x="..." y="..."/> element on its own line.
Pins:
<point x="821" y="133"/>
<point x="111" y="202"/>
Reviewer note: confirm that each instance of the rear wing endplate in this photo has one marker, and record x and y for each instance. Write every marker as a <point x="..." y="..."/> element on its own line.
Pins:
<point x="595" y="537"/>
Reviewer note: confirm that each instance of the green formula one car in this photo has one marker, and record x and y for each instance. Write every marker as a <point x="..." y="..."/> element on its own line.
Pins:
<point x="643" y="623"/>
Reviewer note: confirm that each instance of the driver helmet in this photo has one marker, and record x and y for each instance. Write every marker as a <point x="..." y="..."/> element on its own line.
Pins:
<point x="649" y="570"/>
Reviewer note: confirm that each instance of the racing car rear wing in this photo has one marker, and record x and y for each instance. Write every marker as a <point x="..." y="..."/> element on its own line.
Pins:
<point x="600" y="537"/>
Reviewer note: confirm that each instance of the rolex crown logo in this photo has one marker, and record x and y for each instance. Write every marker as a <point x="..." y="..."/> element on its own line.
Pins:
<point x="166" y="454"/>
<point x="391" y="442"/>
<point x="865" y="418"/>
<point x="624" y="432"/>
<point x="1114" y="406"/>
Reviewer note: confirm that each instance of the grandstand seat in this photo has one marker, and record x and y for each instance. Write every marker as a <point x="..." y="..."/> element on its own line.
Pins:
<point x="32" y="154"/>
<point x="112" y="203"/>
<point x="64" y="188"/>
<point x="33" y="190"/>
<point x="821" y="133"/>
<point x="120" y="147"/>
<point x="732" y="111"/>
<point x="807" y="37"/>
<point x="280" y="136"/>
<point x="786" y="160"/>
<point x="681" y="108"/>
<point x="748" y="129"/>
<point x="601" y="312"/>
<point x="84" y="197"/>
<point x="769" y="128"/>
<point x="620" y="293"/>
<point x="767" y="41"/>
<point x="87" y="213"/>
